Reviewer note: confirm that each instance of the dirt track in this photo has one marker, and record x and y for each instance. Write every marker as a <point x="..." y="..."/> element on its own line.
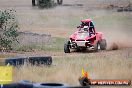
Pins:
<point x="61" y="22"/>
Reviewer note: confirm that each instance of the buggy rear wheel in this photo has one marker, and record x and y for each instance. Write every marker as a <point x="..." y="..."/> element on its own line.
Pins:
<point x="103" y="44"/>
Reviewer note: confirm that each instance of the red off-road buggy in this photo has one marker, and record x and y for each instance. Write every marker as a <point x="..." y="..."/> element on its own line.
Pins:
<point x="85" y="38"/>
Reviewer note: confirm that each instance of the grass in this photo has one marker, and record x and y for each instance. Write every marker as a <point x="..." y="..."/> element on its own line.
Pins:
<point x="100" y="17"/>
<point x="102" y="65"/>
<point x="5" y="55"/>
<point x="113" y="19"/>
<point x="55" y="44"/>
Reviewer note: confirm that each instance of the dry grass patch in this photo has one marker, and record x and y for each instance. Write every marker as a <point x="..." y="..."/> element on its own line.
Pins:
<point x="102" y="65"/>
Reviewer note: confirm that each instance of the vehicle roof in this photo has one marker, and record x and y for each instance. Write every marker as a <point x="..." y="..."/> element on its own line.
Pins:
<point x="86" y="20"/>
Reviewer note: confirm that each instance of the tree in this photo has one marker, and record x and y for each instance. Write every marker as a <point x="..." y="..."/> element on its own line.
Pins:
<point x="45" y="3"/>
<point x="8" y="29"/>
<point x="59" y="2"/>
<point x="33" y="3"/>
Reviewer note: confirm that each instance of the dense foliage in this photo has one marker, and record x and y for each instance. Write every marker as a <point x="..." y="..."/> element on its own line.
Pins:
<point x="45" y="3"/>
<point x="8" y="29"/>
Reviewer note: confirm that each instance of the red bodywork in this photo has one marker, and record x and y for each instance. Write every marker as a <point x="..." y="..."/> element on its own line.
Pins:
<point x="97" y="36"/>
<point x="84" y="37"/>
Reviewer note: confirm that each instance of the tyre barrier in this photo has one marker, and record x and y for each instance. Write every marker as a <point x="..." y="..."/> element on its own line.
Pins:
<point x="27" y="84"/>
<point x="47" y="60"/>
<point x="20" y="84"/>
<point x="15" y="61"/>
<point x="50" y="85"/>
<point x="124" y="9"/>
<point x="18" y="61"/>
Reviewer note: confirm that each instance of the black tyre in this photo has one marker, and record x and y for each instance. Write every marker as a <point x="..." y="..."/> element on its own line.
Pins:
<point x="103" y="44"/>
<point x="120" y="9"/>
<point x="12" y="85"/>
<point x="50" y="85"/>
<point x="96" y="47"/>
<point x="18" y="61"/>
<point x="67" y="47"/>
<point x="24" y="84"/>
<point x="42" y="60"/>
<point x="33" y="3"/>
<point x="15" y="61"/>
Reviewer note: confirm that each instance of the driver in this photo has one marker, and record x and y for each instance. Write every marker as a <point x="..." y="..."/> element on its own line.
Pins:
<point x="89" y="27"/>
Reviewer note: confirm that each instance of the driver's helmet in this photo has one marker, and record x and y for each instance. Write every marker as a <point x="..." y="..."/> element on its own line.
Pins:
<point x="85" y="23"/>
<point x="85" y="28"/>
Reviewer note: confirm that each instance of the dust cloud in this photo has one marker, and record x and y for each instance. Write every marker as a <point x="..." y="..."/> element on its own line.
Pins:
<point x="118" y="36"/>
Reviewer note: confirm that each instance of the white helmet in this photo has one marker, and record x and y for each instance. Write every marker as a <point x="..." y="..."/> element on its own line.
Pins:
<point x="85" y="27"/>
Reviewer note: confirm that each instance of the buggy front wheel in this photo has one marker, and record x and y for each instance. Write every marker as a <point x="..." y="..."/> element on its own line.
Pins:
<point x="67" y="47"/>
